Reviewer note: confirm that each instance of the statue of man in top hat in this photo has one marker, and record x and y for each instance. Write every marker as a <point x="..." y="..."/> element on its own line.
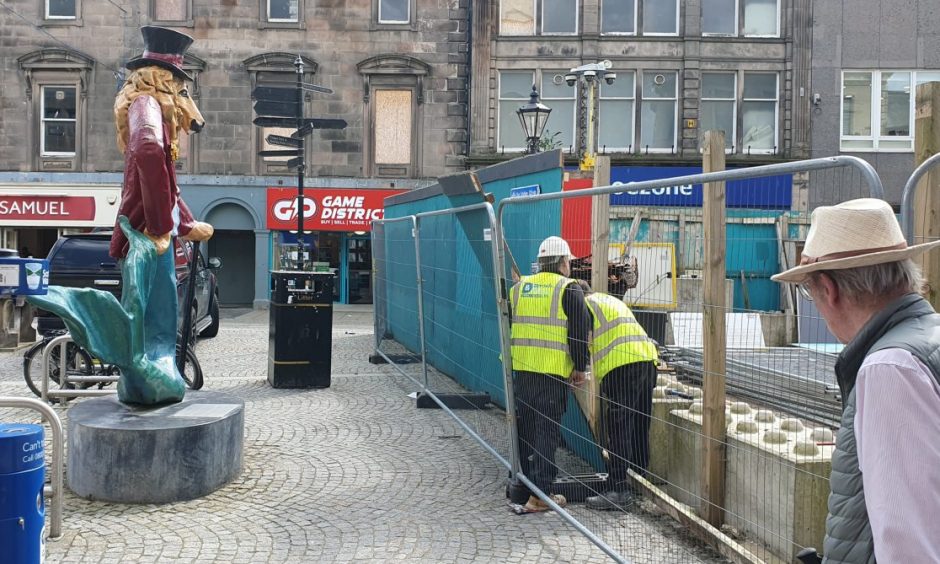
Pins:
<point x="139" y="334"/>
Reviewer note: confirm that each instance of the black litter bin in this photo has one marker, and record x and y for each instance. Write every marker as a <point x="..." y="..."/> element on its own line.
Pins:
<point x="301" y="333"/>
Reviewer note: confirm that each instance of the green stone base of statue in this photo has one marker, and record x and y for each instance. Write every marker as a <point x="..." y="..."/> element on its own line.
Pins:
<point x="138" y="335"/>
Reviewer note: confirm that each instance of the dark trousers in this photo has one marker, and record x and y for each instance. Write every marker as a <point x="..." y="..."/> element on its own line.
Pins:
<point x="627" y="394"/>
<point x="540" y="403"/>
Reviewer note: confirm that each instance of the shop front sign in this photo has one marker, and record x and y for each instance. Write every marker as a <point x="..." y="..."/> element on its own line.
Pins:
<point x="326" y="209"/>
<point x="47" y="208"/>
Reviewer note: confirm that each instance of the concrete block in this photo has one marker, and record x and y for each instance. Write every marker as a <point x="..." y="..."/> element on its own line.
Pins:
<point x="691" y="291"/>
<point x="661" y="435"/>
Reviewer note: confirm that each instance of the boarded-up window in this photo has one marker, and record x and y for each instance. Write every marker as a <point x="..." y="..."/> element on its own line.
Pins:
<point x="393" y="124"/>
<point x="265" y="146"/>
<point x="170" y="10"/>
<point x="517" y="17"/>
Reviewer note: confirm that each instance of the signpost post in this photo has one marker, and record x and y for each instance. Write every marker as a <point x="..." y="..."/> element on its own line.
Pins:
<point x="301" y="302"/>
<point x="282" y="105"/>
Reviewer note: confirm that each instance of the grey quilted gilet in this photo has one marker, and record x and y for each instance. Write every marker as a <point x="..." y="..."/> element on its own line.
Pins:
<point x="909" y="324"/>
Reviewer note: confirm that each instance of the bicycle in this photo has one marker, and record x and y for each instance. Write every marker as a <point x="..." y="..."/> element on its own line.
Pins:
<point x="80" y="362"/>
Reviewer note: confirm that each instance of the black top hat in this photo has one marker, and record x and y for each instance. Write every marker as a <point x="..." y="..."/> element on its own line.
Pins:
<point x="163" y="48"/>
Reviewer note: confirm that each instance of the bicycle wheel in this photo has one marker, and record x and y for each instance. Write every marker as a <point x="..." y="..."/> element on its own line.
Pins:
<point x="78" y="362"/>
<point x="192" y="373"/>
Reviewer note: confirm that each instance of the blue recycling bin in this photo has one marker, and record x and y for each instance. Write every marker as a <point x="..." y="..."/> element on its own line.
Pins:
<point x="23" y="277"/>
<point x="22" y="508"/>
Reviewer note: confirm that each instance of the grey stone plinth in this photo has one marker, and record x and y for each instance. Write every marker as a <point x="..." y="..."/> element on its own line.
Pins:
<point x="175" y="452"/>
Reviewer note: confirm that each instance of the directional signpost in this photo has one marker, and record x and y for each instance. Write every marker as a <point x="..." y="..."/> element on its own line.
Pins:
<point x="281" y="104"/>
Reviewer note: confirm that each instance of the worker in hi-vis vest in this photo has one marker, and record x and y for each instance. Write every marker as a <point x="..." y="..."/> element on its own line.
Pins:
<point x="550" y="325"/>
<point x="623" y="360"/>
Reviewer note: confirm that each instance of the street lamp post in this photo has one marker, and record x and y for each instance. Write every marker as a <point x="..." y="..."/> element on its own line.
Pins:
<point x="533" y="117"/>
<point x="591" y="75"/>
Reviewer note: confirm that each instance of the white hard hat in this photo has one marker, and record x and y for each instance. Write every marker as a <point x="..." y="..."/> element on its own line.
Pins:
<point x="555" y="247"/>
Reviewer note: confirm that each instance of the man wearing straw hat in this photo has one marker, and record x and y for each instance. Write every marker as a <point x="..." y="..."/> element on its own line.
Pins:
<point x="884" y="503"/>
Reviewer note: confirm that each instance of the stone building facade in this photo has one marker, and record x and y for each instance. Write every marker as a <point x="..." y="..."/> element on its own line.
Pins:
<point x="868" y="58"/>
<point x="682" y="66"/>
<point x="397" y="68"/>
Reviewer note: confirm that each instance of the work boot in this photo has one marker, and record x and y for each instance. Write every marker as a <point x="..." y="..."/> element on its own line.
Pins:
<point x="611" y="500"/>
<point x="535" y="504"/>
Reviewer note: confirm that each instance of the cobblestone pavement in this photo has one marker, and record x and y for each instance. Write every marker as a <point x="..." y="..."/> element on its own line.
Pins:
<point x="352" y="473"/>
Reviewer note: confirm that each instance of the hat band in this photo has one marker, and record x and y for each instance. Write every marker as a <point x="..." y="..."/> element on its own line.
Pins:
<point x="848" y="254"/>
<point x="176" y="60"/>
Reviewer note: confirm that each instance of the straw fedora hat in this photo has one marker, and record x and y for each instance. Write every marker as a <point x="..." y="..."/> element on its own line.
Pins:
<point x="856" y="233"/>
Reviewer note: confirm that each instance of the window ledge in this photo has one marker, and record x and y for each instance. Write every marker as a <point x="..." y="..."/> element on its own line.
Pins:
<point x="77" y="22"/>
<point x="174" y="23"/>
<point x="281" y="25"/>
<point x="380" y="26"/>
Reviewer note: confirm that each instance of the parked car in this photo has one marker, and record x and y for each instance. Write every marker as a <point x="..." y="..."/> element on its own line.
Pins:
<point x="82" y="261"/>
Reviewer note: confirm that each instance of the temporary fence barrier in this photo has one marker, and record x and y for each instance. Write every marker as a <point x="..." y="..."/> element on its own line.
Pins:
<point x="452" y="273"/>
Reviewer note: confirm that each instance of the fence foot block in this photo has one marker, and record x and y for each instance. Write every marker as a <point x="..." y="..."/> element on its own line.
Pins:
<point x="468" y="400"/>
<point x="578" y="487"/>
<point x="377" y="359"/>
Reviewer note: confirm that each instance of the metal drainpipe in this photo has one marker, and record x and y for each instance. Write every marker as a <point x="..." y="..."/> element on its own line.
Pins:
<point x="469" y="73"/>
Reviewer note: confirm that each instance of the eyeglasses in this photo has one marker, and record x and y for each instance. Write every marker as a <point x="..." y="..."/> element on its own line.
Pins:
<point x="804" y="291"/>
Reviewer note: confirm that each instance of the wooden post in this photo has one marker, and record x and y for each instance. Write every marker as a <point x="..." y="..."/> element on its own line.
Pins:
<point x="927" y="201"/>
<point x="713" y="333"/>
<point x="600" y="226"/>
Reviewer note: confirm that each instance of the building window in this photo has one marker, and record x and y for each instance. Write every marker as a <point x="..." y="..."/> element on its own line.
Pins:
<point x="392" y="132"/>
<point x="618" y="17"/>
<point x="59" y="111"/>
<point x="172" y="11"/>
<point x="56" y="98"/>
<point x="557" y="95"/>
<point x="759" y="113"/>
<point x="878" y="109"/>
<point x="275" y="69"/>
<point x="660" y="17"/>
<point x="761" y="18"/>
<point x="719" y="93"/>
<point x="514" y="89"/>
<point x="751" y="18"/>
<point x="658" y="111"/>
<point x="283" y="10"/>
<point x="394" y="11"/>
<point x="281" y="14"/>
<point x="616" y="107"/>
<point x="393" y="97"/>
<point x="61" y="9"/>
<point x="557" y="17"/>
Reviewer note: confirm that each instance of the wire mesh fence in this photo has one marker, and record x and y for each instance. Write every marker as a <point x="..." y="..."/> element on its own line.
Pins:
<point x="624" y="407"/>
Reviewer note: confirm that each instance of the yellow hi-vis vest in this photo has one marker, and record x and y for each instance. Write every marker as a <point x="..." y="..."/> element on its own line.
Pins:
<point x="618" y="339"/>
<point x="539" y="336"/>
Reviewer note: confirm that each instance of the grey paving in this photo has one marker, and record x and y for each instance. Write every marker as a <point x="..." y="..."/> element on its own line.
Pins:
<point x="353" y="473"/>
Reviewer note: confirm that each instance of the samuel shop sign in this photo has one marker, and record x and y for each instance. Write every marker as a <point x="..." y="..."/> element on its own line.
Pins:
<point x="47" y="208"/>
<point x="326" y="209"/>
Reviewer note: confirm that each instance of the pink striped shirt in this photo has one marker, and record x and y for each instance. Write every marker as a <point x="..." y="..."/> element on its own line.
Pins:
<point x="897" y="426"/>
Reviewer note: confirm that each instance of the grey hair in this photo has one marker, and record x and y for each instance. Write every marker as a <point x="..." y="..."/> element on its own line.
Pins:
<point x="550" y="264"/>
<point x="867" y="283"/>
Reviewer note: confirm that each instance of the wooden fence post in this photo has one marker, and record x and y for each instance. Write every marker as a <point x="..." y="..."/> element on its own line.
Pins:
<point x="600" y="226"/>
<point x="927" y="200"/>
<point x="713" y="333"/>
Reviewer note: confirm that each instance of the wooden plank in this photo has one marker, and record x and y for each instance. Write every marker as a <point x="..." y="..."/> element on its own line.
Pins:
<point x="600" y="226"/>
<point x="714" y="335"/>
<point x="699" y="528"/>
<point x="927" y="199"/>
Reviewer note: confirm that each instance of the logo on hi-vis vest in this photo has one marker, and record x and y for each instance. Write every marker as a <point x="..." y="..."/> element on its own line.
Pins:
<point x="530" y="290"/>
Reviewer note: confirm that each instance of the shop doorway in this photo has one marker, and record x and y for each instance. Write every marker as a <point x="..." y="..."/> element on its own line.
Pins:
<point x="236" y="278"/>
<point x="233" y="243"/>
<point x="358" y="269"/>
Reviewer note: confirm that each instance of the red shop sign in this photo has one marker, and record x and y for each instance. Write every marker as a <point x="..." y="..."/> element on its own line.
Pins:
<point x="47" y="208"/>
<point x="327" y="209"/>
